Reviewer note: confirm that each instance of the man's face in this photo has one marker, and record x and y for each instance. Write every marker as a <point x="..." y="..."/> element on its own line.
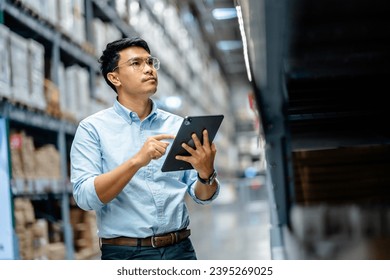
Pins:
<point x="135" y="76"/>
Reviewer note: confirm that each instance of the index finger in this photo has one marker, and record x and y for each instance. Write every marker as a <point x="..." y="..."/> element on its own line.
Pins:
<point x="164" y="136"/>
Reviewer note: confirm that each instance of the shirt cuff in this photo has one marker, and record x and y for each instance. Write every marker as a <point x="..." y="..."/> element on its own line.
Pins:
<point x="86" y="196"/>
<point x="208" y="201"/>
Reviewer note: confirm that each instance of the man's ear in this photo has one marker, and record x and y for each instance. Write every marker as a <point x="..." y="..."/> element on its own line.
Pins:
<point x="113" y="78"/>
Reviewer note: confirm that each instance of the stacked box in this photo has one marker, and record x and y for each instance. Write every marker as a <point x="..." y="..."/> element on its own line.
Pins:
<point x="83" y="93"/>
<point x="24" y="221"/>
<point x="19" y="69"/>
<point x="34" y="5"/>
<point x="79" y="21"/>
<point x="77" y="220"/>
<point x="100" y="42"/>
<point x="36" y="69"/>
<point x="71" y="17"/>
<point x="5" y="68"/>
<point x="121" y="7"/>
<point x="28" y="156"/>
<point x="33" y="234"/>
<point x="103" y="92"/>
<point x="16" y="155"/>
<point x="31" y="163"/>
<point x="343" y="175"/>
<point x="41" y="239"/>
<point x="65" y="16"/>
<point x="50" y="10"/>
<point x="62" y="88"/>
<point x="44" y="9"/>
<point x="47" y="159"/>
<point x="78" y="91"/>
<point x="52" y="99"/>
<point x="112" y="33"/>
<point x="84" y="233"/>
<point x="56" y="251"/>
<point x="56" y="232"/>
<point x="71" y="91"/>
<point x="103" y="34"/>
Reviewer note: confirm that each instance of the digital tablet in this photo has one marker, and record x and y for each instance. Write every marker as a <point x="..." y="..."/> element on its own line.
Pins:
<point x="190" y="125"/>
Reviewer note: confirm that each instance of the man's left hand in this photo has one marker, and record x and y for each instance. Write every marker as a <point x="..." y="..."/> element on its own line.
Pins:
<point x="202" y="156"/>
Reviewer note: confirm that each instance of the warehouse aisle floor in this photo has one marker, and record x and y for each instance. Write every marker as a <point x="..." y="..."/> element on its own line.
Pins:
<point x="235" y="226"/>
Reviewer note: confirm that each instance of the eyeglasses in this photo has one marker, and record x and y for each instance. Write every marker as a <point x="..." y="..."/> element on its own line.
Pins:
<point x="138" y="63"/>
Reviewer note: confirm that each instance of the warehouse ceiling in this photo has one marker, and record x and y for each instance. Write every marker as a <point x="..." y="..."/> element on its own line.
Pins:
<point x="218" y="24"/>
<point x="215" y="23"/>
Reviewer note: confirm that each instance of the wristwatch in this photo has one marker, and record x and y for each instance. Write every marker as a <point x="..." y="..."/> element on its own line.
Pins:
<point x="210" y="180"/>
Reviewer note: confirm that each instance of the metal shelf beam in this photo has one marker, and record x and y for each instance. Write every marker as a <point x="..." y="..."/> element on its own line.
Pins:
<point x="36" y="119"/>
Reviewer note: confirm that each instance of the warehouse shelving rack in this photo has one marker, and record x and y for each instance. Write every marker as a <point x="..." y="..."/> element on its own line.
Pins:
<point x="319" y="70"/>
<point x="26" y="118"/>
<point x="29" y="25"/>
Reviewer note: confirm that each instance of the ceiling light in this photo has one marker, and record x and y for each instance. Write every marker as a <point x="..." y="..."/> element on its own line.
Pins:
<point x="224" y="13"/>
<point x="229" y="45"/>
<point x="244" y="42"/>
<point x="173" y="102"/>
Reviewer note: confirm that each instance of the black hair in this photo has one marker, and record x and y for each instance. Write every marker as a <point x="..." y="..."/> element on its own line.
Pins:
<point x="110" y="57"/>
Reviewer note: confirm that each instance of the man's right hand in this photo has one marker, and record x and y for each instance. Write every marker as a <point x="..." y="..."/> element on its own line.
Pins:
<point x="153" y="148"/>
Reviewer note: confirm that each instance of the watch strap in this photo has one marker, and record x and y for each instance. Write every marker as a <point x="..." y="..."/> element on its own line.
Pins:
<point x="210" y="180"/>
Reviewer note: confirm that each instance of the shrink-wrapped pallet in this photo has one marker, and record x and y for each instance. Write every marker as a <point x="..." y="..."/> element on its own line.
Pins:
<point x="5" y="67"/>
<point x="19" y="69"/>
<point x="36" y="70"/>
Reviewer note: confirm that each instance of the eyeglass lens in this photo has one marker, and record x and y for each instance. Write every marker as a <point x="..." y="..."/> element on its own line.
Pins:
<point x="138" y="64"/>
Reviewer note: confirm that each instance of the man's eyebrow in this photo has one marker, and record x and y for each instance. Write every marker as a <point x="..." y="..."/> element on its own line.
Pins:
<point x="138" y="57"/>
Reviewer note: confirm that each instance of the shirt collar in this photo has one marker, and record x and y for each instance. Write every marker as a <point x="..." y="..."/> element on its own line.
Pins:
<point x="131" y="116"/>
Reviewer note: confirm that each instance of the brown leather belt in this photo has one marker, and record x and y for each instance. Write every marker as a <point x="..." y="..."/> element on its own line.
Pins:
<point x="152" y="241"/>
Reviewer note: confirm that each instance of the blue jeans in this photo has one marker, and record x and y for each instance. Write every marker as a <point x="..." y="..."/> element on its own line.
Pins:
<point x="180" y="251"/>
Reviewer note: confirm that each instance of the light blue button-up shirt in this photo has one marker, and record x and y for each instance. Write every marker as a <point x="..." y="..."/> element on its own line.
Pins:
<point x="152" y="202"/>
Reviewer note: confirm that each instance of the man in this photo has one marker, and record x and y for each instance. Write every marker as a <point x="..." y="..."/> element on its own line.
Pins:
<point x="116" y="160"/>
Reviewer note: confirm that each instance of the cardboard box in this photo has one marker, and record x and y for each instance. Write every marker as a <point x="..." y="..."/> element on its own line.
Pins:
<point x="344" y="175"/>
<point x="36" y="70"/>
<point x="19" y="69"/>
<point x="5" y="67"/>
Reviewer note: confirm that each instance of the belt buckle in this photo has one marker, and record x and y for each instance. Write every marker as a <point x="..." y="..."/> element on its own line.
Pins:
<point x="152" y="241"/>
<point x="164" y="242"/>
<point x="156" y="243"/>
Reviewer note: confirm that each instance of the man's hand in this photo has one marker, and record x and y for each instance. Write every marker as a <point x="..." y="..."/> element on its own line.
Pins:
<point x="202" y="156"/>
<point x="153" y="148"/>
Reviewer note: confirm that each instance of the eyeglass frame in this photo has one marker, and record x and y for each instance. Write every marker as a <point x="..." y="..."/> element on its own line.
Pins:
<point x="144" y="63"/>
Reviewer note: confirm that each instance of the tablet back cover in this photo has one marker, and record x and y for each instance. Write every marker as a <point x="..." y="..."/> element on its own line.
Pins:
<point x="190" y="125"/>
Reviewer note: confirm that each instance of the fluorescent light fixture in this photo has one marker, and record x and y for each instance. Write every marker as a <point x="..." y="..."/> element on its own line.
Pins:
<point x="134" y="7"/>
<point x="244" y="42"/>
<point x="250" y="172"/>
<point x="173" y="102"/>
<point x="229" y="45"/>
<point x="224" y="13"/>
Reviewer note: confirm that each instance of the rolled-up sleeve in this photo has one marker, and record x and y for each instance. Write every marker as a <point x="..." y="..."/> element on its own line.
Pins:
<point x="85" y="157"/>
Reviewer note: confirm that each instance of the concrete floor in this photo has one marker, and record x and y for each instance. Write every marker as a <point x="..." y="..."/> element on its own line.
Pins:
<point x="235" y="226"/>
